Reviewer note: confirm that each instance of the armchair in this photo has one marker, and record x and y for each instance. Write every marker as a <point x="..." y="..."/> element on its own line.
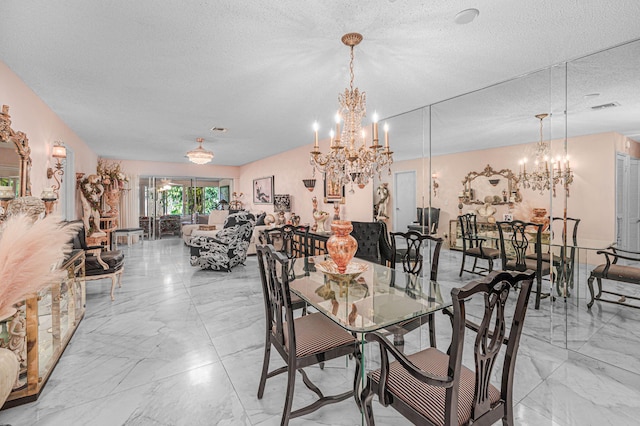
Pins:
<point x="431" y="387"/>
<point x="99" y="264"/>
<point x="229" y="246"/>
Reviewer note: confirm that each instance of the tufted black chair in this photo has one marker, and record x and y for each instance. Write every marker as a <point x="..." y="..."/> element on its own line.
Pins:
<point x="99" y="264"/>
<point x="373" y="242"/>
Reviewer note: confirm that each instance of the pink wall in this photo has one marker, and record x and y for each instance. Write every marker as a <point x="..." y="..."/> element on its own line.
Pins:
<point x="42" y="126"/>
<point x="288" y="169"/>
<point x="153" y="168"/>
<point x="592" y="194"/>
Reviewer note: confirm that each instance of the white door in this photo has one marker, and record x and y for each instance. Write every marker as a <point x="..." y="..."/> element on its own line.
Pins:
<point x="404" y="200"/>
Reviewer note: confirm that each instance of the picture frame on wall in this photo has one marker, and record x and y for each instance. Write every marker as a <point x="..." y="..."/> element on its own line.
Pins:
<point x="263" y="190"/>
<point x="333" y="191"/>
<point x="224" y="193"/>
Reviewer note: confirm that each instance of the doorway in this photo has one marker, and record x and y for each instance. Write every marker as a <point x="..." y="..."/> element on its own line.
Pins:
<point x="627" y="202"/>
<point x="404" y="200"/>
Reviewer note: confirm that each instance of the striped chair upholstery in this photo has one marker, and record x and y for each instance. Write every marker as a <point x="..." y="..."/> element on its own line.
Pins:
<point x="431" y="387"/>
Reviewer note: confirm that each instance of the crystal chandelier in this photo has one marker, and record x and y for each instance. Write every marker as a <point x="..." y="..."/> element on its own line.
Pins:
<point x="200" y="155"/>
<point x="349" y="159"/>
<point x="543" y="177"/>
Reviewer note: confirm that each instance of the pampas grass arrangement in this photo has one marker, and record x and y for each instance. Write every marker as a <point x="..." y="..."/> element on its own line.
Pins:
<point x="30" y="254"/>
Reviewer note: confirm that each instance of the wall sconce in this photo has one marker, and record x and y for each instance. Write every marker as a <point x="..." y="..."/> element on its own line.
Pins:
<point x="309" y="184"/>
<point x="59" y="152"/>
<point x="434" y="184"/>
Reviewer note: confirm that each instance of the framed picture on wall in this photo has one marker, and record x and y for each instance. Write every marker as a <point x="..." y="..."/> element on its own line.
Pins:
<point x="333" y="191"/>
<point x="263" y="190"/>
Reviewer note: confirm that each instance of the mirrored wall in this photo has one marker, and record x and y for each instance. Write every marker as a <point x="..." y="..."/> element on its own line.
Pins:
<point x="477" y="153"/>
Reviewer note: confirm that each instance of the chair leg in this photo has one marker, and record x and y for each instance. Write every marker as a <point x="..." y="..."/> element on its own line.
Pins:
<point x="114" y="278"/>
<point x="475" y="261"/>
<point x="357" y="379"/>
<point x="539" y="290"/>
<point x="490" y="260"/>
<point x="265" y="366"/>
<point x="593" y="297"/>
<point x="367" y="398"/>
<point x="599" y="295"/>
<point x="462" y="267"/>
<point x="288" y="401"/>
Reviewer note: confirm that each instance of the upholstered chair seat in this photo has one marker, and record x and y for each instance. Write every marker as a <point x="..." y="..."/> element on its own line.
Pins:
<point x="429" y="400"/>
<point x="113" y="259"/>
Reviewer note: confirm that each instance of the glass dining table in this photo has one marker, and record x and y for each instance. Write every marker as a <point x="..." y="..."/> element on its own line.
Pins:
<point x="377" y="298"/>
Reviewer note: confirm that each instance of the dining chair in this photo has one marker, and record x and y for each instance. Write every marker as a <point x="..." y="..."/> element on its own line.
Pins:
<point x="473" y="245"/>
<point x="410" y="255"/>
<point x="302" y="341"/>
<point x="428" y="219"/>
<point x="563" y="262"/>
<point x="431" y="387"/>
<point x="517" y="238"/>
<point x="373" y="241"/>
<point x="293" y="242"/>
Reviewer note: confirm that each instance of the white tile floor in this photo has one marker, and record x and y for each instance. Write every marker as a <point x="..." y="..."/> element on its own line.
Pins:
<point x="180" y="346"/>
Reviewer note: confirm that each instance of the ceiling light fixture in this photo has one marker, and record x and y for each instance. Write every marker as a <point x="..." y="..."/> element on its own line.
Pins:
<point x="542" y="178"/>
<point x="200" y="155"/>
<point x="466" y="16"/>
<point x="350" y="160"/>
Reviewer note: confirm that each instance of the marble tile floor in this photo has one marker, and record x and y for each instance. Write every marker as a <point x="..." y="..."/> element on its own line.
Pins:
<point x="180" y="346"/>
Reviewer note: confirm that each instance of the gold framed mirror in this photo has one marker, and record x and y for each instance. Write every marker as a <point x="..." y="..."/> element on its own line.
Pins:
<point x="21" y="144"/>
<point x="490" y="187"/>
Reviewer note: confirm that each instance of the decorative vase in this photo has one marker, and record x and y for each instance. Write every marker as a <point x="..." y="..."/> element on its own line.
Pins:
<point x="112" y="198"/>
<point x="341" y="245"/>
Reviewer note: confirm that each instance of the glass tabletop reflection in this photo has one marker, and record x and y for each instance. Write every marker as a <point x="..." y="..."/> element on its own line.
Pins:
<point x="376" y="298"/>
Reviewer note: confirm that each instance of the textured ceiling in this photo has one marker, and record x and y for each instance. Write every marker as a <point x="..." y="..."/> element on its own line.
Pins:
<point x="142" y="79"/>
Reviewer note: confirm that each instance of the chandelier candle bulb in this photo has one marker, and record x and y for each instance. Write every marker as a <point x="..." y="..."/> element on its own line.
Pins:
<point x="375" y="129"/>
<point x="315" y="129"/>
<point x="337" y="127"/>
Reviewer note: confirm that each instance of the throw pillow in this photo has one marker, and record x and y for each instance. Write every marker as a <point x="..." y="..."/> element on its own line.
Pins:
<point x="260" y="220"/>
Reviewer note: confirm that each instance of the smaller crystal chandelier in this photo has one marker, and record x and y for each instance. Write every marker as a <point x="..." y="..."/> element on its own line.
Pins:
<point x="543" y="177"/>
<point x="349" y="159"/>
<point x="200" y="155"/>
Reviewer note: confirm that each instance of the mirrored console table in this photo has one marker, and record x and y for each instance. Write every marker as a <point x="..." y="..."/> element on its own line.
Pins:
<point x="50" y="319"/>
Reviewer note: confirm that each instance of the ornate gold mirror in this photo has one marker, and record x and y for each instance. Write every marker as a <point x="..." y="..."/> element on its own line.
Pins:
<point x="18" y="164"/>
<point x="490" y="187"/>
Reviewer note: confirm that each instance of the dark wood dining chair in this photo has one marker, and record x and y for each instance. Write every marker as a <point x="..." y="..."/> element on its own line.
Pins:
<point x="412" y="259"/>
<point x="292" y="241"/>
<point x="302" y="341"/>
<point x="564" y="262"/>
<point x="431" y="387"/>
<point x="517" y="240"/>
<point x="475" y="246"/>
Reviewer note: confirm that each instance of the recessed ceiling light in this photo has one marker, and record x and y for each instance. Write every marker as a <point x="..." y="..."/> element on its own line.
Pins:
<point x="466" y="16"/>
<point x="219" y="129"/>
